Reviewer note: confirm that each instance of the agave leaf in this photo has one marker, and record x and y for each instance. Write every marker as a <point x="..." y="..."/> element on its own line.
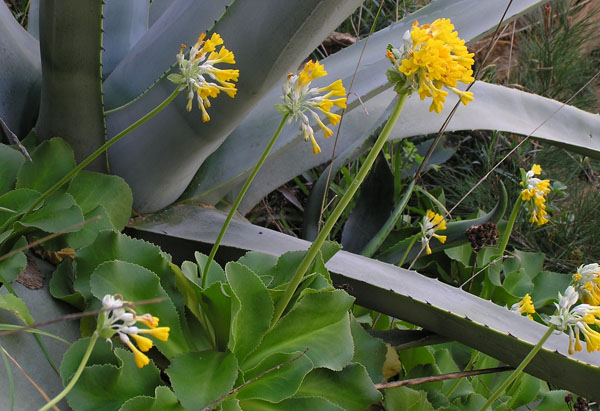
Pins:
<point x="124" y="23"/>
<point x="407" y="295"/>
<point x="171" y="146"/>
<point x="229" y="166"/>
<point x="71" y="100"/>
<point x="157" y="8"/>
<point x="21" y="75"/>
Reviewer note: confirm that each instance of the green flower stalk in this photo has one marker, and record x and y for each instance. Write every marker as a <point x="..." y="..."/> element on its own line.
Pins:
<point x="299" y="99"/>
<point x="432" y="56"/>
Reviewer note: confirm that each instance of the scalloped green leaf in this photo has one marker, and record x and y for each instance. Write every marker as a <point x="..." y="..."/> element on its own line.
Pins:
<point x="12" y="266"/>
<point x="251" y="309"/>
<point x="294" y="403"/>
<point x="16" y="202"/>
<point x="52" y="160"/>
<point x="215" y="272"/>
<point x="136" y="283"/>
<point x="369" y="351"/>
<point x="404" y="398"/>
<point x="91" y="190"/>
<point x="215" y="301"/>
<point x="15" y="305"/>
<point x="318" y="321"/>
<point x="61" y="285"/>
<point x="214" y="374"/>
<point x="350" y="388"/>
<point x="106" y="387"/>
<point x="10" y="162"/>
<point x="59" y="213"/>
<point x="111" y="245"/>
<point x="164" y="400"/>
<point x="279" y="384"/>
<point x="407" y="295"/>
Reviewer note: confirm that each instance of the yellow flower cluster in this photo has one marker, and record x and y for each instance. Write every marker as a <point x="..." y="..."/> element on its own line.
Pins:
<point x="119" y="319"/>
<point x="577" y="320"/>
<point x="587" y="283"/>
<point x="525" y="306"/>
<point x="432" y="57"/>
<point x="198" y="73"/>
<point x="299" y="99"/>
<point x="534" y="193"/>
<point x="432" y="222"/>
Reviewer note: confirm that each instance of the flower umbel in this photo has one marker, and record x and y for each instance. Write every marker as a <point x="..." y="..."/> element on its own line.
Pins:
<point x="577" y="320"/>
<point x="525" y="306"/>
<point x="120" y="319"/>
<point x="587" y="283"/>
<point x="299" y="99"/>
<point x="534" y="194"/>
<point x="432" y="222"/>
<point x="432" y="56"/>
<point x="199" y="76"/>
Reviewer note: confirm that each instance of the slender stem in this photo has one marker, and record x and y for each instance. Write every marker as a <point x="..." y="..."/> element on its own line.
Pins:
<point x="382" y="234"/>
<point x="410" y="246"/>
<point x="239" y="198"/>
<point x="337" y="212"/>
<point x="519" y="369"/>
<point x="76" y="376"/>
<point x="92" y="157"/>
<point x="509" y="226"/>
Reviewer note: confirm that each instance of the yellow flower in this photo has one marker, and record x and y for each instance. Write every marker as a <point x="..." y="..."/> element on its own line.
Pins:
<point x="432" y="222"/>
<point x="525" y="306"/>
<point x="198" y="73"/>
<point x="587" y="283"/>
<point x="118" y="318"/>
<point x="534" y="194"/>
<point x="432" y="56"/>
<point x="576" y="321"/>
<point x="299" y="99"/>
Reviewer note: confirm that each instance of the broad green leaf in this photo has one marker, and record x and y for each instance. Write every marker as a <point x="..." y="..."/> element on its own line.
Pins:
<point x="251" y="309"/>
<point x="546" y="286"/>
<point x="12" y="266"/>
<point x="111" y="245"/>
<point x="553" y="401"/>
<point x="264" y="265"/>
<point x="532" y="263"/>
<point x="95" y="221"/>
<point x="414" y="357"/>
<point x="61" y="285"/>
<point x="102" y="354"/>
<point x="16" y="202"/>
<point x="369" y="351"/>
<point x="21" y="75"/>
<point x="278" y="384"/>
<point x="52" y="160"/>
<point x="165" y="166"/>
<point x="136" y="283"/>
<point x="199" y="378"/>
<point x="71" y="104"/>
<point x="319" y="322"/>
<point x="527" y="389"/>
<point x="15" y="305"/>
<point x="215" y="272"/>
<point x="164" y="400"/>
<point x="215" y="301"/>
<point x="406" y="295"/>
<point x="91" y="190"/>
<point x="59" y="213"/>
<point x="472" y="402"/>
<point x="294" y="403"/>
<point x="10" y="161"/>
<point x="350" y="388"/>
<point x="404" y="398"/>
<point x="106" y="387"/>
<point x="517" y="283"/>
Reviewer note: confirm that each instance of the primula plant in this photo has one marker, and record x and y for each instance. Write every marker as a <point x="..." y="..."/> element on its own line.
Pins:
<point x="266" y="321"/>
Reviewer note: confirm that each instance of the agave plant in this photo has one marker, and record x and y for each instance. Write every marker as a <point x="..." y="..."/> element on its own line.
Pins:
<point x="87" y="70"/>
